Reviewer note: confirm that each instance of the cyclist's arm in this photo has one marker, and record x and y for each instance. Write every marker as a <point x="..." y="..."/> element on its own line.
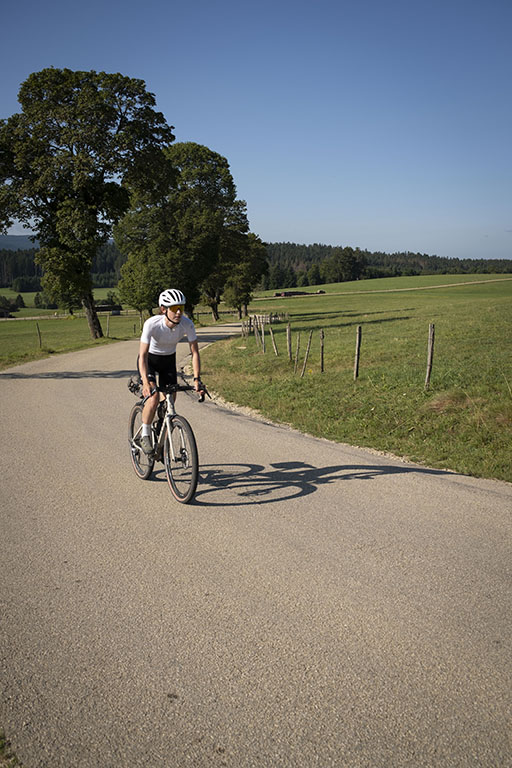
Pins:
<point x="143" y="368"/>
<point x="196" y="364"/>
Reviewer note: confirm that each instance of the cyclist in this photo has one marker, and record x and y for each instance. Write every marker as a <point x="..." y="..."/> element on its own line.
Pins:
<point x="157" y="354"/>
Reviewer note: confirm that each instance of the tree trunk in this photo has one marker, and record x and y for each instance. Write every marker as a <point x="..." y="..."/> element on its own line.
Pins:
<point x="215" y="311"/>
<point x="246" y="310"/>
<point x="92" y="317"/>
<point x="239" y="313"/>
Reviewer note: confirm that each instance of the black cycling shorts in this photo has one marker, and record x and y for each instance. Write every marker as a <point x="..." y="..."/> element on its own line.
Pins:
<point x="164" y="366"/>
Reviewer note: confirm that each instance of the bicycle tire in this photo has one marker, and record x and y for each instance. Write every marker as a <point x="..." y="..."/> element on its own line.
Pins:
<point x="182" y="473"/>
<point x="142" y="464"/>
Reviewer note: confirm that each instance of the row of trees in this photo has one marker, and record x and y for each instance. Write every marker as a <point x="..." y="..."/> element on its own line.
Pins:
<point x="18" y="264"/>
<point x="292" y="264"/>
<point x="89" y="153"/>
<point x="341" y="265"/>
<point x="289" y="266"/>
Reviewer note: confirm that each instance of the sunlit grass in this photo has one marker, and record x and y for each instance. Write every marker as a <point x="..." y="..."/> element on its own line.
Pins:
<point x="462" y="422"/>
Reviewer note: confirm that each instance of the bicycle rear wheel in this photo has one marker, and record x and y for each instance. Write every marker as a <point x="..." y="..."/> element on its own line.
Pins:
<point x="182" y="470"/>
<point x="142" y="464"/>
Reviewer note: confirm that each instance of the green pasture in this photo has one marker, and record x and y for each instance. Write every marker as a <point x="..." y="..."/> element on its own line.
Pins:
<point x="19" y="339"/>
<point x="30" y="309"/>
<point x="462" y="422"/>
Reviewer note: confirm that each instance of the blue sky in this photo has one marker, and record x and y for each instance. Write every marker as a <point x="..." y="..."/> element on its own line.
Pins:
<point x="383" y="125"/>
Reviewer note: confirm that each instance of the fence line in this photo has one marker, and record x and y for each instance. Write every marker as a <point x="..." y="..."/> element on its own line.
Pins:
<point x="257" y="324"/>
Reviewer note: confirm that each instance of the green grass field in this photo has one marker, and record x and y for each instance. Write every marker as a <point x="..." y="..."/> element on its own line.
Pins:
<point x="463" y="422"/>
<point x="19" y="340"/>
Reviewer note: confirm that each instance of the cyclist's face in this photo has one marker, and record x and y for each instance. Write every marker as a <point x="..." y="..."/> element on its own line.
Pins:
<point x="174" y="313"/>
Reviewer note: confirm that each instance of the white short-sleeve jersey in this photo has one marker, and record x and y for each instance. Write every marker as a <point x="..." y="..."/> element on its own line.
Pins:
<point x="162" y="340"/>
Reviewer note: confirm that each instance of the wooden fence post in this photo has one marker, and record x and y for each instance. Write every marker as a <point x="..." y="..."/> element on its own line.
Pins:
<point x="263" y="335"/>
<point x="358" y="352"/>
<point x="321" y="350"/>
<point x="256" y="333"/>
<point x="297" y="352"/>
<point x="39" y="335"/>
<point x="273" y="341"/>
<point x="289" y="341"/>
<point x="430" y="355"/>
<point x="306" y="355"/>
<point x="108" y="325"/>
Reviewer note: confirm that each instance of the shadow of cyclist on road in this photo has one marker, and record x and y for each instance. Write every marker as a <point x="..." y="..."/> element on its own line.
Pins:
<point x="249" y="484"/>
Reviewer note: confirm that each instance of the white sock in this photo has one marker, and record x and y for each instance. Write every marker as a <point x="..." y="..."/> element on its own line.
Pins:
<point x="146" y="430"/>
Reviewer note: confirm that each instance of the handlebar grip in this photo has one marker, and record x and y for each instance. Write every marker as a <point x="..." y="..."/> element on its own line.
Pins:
<point x="148" y="396"/>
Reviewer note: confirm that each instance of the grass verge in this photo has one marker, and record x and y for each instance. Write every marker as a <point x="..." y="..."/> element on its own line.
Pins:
<point x="7" y="758"/>
<point x="463" y="422"/>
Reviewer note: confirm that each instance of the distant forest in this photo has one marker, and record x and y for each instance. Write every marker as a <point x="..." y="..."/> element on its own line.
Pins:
<point x="293" y="265"/>
<point x="290" y="265"/>
<point x="19" y="271"/>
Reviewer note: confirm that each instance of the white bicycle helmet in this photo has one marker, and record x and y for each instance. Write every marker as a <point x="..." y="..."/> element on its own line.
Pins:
<point x="171" y="297"/>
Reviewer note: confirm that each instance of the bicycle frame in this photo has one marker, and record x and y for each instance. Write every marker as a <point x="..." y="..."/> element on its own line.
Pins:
<point x="170" y="413"/>
<point x="160" y="436"/>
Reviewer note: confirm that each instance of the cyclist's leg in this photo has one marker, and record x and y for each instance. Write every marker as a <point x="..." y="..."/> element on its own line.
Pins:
<point x="165" y="365"/>
<point x="150" y="406"/>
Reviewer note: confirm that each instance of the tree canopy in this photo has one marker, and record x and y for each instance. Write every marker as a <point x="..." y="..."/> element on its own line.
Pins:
<point x="191" y="238"/>
<point x="82" y="143"/>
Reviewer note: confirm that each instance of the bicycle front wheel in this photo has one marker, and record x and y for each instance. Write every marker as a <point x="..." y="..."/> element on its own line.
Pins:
<point x="142" y="464"/>
<point x="181" y="460"/>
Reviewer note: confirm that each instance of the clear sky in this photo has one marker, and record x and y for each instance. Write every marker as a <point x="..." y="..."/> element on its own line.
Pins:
<point x="383" y="124"/>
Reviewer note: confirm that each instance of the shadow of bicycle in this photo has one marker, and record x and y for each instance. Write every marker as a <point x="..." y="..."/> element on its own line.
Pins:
<point x="225" y="485"/>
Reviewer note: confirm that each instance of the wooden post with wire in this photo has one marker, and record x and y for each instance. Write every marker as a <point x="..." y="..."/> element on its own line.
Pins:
<point x="306" y="355"/>
<point x="289" y="341"/>
<point x="322" y="335"/>
<point x="273" y="341"/>
<point x="358" y="352"/>
<point x="39" y="335"/>
<point x="297" y="352"/>
<point x="430" y="354"/>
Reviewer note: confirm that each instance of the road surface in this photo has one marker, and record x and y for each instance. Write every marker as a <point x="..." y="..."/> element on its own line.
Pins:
<point x="318" y="605"/>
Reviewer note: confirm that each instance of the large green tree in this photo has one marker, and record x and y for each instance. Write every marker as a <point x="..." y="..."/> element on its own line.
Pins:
<point x="246" y="274"/>
<point x="82" y="143"/>
<point x="185" y="239"/>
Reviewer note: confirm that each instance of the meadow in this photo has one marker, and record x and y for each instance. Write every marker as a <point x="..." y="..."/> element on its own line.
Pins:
<point x="462" y="422"/>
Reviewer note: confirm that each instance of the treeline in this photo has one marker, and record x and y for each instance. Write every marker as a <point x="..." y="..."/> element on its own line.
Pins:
<point x="292" y="265"/>
<point x="19" y="270"/>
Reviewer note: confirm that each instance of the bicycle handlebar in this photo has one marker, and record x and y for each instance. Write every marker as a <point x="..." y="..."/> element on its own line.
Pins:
<point x="172" y="388"/>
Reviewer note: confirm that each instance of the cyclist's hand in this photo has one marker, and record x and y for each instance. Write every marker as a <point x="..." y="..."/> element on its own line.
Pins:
<point x="148" y="389"/>
<point x="201" y="389"/>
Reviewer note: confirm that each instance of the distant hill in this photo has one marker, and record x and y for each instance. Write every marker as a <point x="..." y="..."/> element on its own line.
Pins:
<point x="16" y="243"/>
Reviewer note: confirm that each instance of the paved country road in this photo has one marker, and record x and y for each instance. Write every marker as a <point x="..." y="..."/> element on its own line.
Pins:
<point x="318" y="605"/>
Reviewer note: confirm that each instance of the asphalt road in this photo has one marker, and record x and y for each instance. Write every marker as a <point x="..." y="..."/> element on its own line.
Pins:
<point x="318" y="605"/>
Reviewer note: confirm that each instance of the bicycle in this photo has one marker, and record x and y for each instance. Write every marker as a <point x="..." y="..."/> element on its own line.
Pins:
<point x="173" y="440"/>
